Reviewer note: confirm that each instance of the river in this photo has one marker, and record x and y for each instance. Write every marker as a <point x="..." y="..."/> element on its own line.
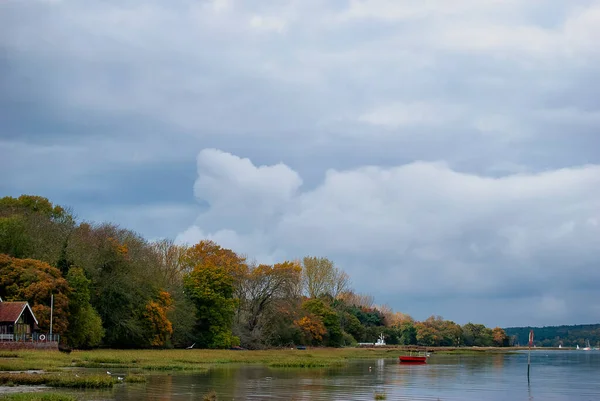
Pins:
<point x="555" y="375"/>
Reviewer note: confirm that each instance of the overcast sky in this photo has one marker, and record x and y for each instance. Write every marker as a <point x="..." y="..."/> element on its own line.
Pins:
<point x="446" y="154"/>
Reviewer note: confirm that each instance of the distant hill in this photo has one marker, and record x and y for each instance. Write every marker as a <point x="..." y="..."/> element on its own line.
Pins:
<point x="553" y="336"/>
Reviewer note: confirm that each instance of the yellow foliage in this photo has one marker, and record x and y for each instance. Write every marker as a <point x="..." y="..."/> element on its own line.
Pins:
<point x="312" y="328"/>
<point x="156" y="316"/>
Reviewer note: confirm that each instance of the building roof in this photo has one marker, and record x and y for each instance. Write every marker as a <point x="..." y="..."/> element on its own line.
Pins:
<point x="10" y="312"/>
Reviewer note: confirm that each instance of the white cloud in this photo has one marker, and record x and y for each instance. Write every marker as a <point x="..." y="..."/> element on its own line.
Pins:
<point x="221" y="5"/>
<point x="410" y="114"/>
<point x="395" y="10"/>
<point x="417" y="229"/>
<point x="267" y="23"/>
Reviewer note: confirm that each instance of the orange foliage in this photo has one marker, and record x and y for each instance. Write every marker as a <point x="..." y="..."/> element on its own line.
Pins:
<point x="499" y="337"/>
<point x="156" y="316"/>
<point x="312" y="327"/>
<point x="209" y="254"/>
<point x="34" y="281"/>
<point x="121" y="249"/>
<point x="397" y="319"/>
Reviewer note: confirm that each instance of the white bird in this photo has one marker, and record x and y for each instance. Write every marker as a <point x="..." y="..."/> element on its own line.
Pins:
<point x="108" y="373"/>
<point x="119" y="378"/>
<point x="191" y="346"/>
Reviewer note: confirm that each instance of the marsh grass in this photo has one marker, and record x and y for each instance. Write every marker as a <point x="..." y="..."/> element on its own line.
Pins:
<point x="210" y="396"/>
<point x="9" y="355"/>
<point x="135" y="379"/>
<point x="475" y="351"/>
<point x="38" y="397"/>
<point x="380" y="396"/>
<point x="201" y="359"/>
<point x="57" y="380"/>
<point x="187" y="360"/>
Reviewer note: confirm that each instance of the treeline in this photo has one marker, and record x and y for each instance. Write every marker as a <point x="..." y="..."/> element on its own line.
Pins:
<point x="553" y="336"/>
<point x="113" y="288"/>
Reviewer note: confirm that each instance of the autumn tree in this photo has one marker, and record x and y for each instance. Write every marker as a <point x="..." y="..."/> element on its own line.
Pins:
<point x="158" y="324"/>
<point x="85" y="324"/>
<point x="397" y="319"/>
<point x="354" y="299"/>
<point x="170" y="256"/>
<point x="499" y="337"/>
<point x="321" y="277"/>
<point x="210" y="285"/>
<point x="263" y="289"/>
<point x="426" y="334"/>
<point x="35" y="282"/>
<point x="312" y="328"/>
<point x="331" y="320"/>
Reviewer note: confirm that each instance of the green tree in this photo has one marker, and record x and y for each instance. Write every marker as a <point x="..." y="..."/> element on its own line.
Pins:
<point x="352" y="326"/>
<point x="210" y="286"/>
<point x="85" y="324"/>
<point x="408" y="334"/>
<point x="330" y="319"/>
<point x="211" y="289"/>
<point x="477" y="335"/>
<point x="183" y="317"/>
<point x="32" y="227"/>
<point x="125" y="276"/>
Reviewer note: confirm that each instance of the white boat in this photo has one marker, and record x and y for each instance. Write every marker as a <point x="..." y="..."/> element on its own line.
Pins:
<point x="587" y="347"/>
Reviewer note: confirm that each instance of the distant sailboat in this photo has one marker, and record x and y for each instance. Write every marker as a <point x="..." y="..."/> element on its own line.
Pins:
<point x="587" y="348"/>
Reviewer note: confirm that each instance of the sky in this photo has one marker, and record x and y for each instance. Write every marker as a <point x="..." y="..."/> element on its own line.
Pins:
<point x="445" y="154"/>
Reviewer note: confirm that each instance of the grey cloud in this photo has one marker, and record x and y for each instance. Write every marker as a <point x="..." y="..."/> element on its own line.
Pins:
<point x="104" y="107"/>
<point x="415" y="229"/>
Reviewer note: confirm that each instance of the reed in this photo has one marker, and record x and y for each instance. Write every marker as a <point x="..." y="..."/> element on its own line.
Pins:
<point x="38" y="397"/>
<point x="210" y="396"/>
<point x="9" y="355"/>
<point x="57" y="380"/>
<point x="135" y="379"/>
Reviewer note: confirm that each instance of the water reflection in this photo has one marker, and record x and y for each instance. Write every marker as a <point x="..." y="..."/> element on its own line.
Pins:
<point x="559" y="375"/>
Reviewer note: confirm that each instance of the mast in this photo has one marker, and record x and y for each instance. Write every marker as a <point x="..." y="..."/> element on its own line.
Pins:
<point x="51" y="312"/>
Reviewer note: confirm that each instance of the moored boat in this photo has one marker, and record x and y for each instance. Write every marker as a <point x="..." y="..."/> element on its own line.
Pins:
<point x="414" y="357"/>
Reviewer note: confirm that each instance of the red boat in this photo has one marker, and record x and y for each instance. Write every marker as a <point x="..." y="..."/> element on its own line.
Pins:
<point x="414" y="357"/>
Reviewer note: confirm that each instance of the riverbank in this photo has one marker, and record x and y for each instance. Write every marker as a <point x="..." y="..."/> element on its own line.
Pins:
<point x="202" y="359"/>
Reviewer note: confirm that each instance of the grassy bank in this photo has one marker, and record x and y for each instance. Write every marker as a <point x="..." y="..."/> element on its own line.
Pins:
<point x="37" y="397"/>
<point x="199" y="360"/>
<point x="57" y="380"/>
<point x="193" y="360"/>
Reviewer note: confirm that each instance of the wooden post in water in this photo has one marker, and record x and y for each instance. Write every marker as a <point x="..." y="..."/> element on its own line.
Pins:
<point x="529" y="354"/>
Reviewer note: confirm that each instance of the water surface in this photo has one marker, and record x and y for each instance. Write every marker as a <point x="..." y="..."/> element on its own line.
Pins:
<point x="555" y="375"/>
